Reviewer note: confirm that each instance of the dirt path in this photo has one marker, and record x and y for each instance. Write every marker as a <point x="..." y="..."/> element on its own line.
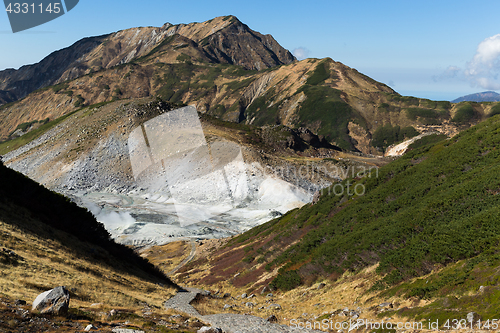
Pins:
<point x="188" y="259"/>
<point x="228" y="322"/>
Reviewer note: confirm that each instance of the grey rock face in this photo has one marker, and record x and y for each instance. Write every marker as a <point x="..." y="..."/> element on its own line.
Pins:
<point x="207" y="329"/>
<point x="55" y="301"/>
<point x="125" y="330"/>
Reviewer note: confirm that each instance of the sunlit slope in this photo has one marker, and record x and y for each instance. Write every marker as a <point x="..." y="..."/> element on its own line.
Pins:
<point x="434" y="206"/>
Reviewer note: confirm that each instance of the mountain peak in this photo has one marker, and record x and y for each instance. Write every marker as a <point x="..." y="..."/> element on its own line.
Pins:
<point x="224" y="39"/>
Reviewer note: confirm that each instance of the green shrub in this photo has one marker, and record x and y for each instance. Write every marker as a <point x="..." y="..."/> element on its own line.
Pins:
<point x="320" y="74"/>
<point x="464" y="114"/>
<point x="79" y="101"/>
<point x="414" y="113"/>
<point x="286" y="280"/>
<point x="494" y="110"/>
<point x="387" y="135"/>
<point x="427" y="140"/>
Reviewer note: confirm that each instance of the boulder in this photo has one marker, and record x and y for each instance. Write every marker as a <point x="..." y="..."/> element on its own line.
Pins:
<point x="274" y="306"/>
<point x="55" y="301"/>
<point x="207" y="329"/>
<point x="126" y="330"/>
<point x="321" y="285"/>
<point x="272" y="319"/>
<point x="386" y="305"/>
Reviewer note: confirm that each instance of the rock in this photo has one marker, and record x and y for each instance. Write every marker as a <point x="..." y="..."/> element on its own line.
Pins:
<point x="251" y="296"/>
<point x="112" y="313"/>
<point x="236" y="275"/>
<point x="274" y="306"/>
<point x="227" y="307"/>
<point x="20" y="302"/>
<point x="481" y="289"/>
<point x="472" y="317"/>
<point x="126" y="330"/>
<point x="226" y="295"/>
<point x="249" y="304"/>
<point x="269" y="295"/>
<point x="54" y="301"/>
<point x="272" y="319"/>
<point x="89" y="327"/>
<point x="264" y="290"/>
<point x="321" y="285"/>
<point x="207" y="329"/>
<point x="385" y="305"/>
<point x="244" y="295"/>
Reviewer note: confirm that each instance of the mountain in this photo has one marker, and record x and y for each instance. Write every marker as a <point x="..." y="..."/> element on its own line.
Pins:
<point x="220" y="40"/>
<point x="233" y="73"/>
<point x="487" y="96"/>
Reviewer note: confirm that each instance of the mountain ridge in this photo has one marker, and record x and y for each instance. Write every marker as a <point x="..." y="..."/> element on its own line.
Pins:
<point x="256" y="51"/>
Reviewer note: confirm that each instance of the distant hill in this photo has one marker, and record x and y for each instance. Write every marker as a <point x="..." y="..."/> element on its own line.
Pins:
<point x="487" y="96"/>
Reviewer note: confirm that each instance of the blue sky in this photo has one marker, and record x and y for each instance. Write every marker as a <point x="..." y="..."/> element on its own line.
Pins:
<point x="431" y="49"/>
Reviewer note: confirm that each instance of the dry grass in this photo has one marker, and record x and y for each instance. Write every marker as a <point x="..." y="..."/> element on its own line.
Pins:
<point x="168" y="256"/>
<point x="46" y="264"/>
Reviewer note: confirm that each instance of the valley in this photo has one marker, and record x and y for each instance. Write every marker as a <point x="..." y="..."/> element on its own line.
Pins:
<point x="198" y="174"/>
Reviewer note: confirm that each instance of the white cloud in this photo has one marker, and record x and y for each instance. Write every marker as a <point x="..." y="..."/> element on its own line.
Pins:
<point x="452" y="72"/>
<point x="484" y="68"/>
<point x="301" y="53"/>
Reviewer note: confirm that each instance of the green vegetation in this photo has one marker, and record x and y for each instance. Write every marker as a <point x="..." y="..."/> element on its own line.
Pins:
<point x="24" y="126"/>
<point x="494" y="110"/>
<point x="59" y="87"/>
<point x="79" y="101"/>
<point x="325" y="106"/>
<point x="320" y="74"/>
<point x="13" y="144"/>
<point x="387" y="135"/>
<point x="432" y="207"/>
<point x="286" y="280"/>
<point x="183" y="58"/>
<point x="464" y="114"/>
<point x="427" y="140"/>
<point x="263" y="114"/>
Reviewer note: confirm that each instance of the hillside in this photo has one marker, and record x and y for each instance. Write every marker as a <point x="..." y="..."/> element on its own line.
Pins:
<point x="432" y="213"/>
<point x="55" y="242"/>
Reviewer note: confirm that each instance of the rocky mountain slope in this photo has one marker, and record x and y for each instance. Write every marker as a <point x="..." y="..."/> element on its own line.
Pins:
<point x="87" y="156"/>
<point x="220" y="40"/>
<point x="231" y="72"/>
